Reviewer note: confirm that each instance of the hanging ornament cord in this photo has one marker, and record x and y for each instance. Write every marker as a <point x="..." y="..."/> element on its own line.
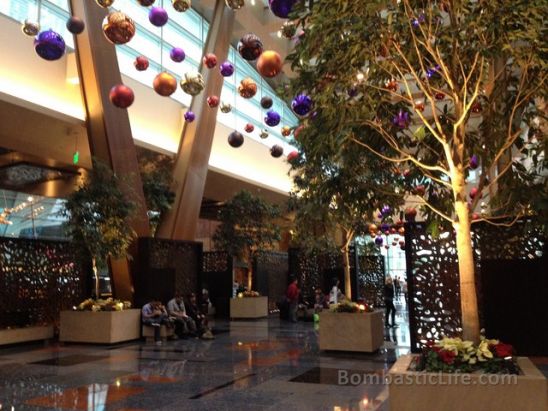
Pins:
<point x="234" y="114"/>
<point x="38" y="11"/>
<point x="162" y="44"/>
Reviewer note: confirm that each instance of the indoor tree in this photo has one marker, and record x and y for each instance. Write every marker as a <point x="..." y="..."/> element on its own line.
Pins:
<point x="338" y="190"/>
<point x="451" y="93"/>
<point x="97" y="214"/>
<point x="247" y="226"/>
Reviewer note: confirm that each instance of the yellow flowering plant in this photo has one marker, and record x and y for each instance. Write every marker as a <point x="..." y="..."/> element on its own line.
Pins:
<point x="108" y="304"/>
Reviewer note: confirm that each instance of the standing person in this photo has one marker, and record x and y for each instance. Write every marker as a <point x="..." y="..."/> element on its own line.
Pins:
<point x="404" y="289"/>
<point x="183" y="323"/>
<point x="389" y="303"/>
<point x="397" y="286"/>
<point x="292" y="295"/>
<point x="335" y="292"/>
<point x="154" y="314"/>
<point x="194" y="312"/>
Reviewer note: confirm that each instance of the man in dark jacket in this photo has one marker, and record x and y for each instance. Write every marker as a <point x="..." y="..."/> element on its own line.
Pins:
<point x="389" y="303"/>
<point x="292" y="295"/>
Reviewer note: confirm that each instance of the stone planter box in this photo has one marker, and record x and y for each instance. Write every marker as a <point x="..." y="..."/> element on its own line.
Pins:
<point x="103" y="327"/>
<point x="25" y="334"/>
<point x="418" y="391"/>
<point x="363" y="332"/>
<point x="249" y="307"/>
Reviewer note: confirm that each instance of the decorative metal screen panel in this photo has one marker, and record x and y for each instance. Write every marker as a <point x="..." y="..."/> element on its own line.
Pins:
<point x="371" y="275"/>
<point x="38" y="279"/>
<point x="271" y="274"/>
<point x="215" y="262"/>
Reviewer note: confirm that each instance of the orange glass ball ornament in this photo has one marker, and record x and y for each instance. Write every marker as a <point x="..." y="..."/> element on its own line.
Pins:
<point x="247" y="88"/>
<point x="269" y="63"/>
<point x="118" y="28"/>
<point x="286" y="131"/>
<point x="164" y="84"/>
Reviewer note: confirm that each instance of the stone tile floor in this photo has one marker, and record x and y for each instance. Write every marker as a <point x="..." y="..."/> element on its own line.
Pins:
<point x="261" y="365"/>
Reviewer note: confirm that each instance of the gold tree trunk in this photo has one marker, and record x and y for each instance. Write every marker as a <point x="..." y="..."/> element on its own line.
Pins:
<point x="95" y="276"/>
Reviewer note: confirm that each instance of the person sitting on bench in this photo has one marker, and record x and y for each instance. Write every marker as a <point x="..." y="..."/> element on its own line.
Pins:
<point x="154" y="314"/>
<point x="193" y="310"/>
<point x="183" y="323"/>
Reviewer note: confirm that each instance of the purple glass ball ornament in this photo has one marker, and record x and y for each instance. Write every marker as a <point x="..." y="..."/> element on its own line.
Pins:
<point x="385" y="209"/>
<point x="302" y="104"/>
<point x="266" y="102"/>
<point x="190" y="116"/>
<point x="235" y="139"/>
<point x="385" y="227"/>
<point x="281" y="8"/>
<point x="474" y="162"/>
<point x="49" y="45"/>
<point x="272" y="118"/>
<point x="379" y="240"/>
<point x="401" y="119"/>
<point x="158" y="16"/>
<point x="380" y="216"/>
<point x="226" y="69"/>
<point x="276" y="151"/>
<point x="75" y="25"/>
<point x="177" y="54"/>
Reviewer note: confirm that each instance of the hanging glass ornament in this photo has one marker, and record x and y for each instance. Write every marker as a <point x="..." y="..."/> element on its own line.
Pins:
<point x="121" y="96"/>
<point x="266" y="102"/>
<point x="146" y="3"/>
<point x="250" y="47"/>
<point x="417" y="21"/>
<point x="288" y="30"/>
<point x="30" y="28"/>
<point x="281" y="8"/>
<point x="269" y="63"/>
<point x="419" y="106"/>
<point x="410" y="214"/>
<point x="75" y="25"/>
<point x="226" y="69"/>
<point x="235" y="4"/>
<point x="247" y="88"/>
<point x="210" y="60"/>
<point x="49" y="45"/>
<point x="293" y="156"/>
<point x="165" y="84"/>
<point x="158" y="16"/>
<point x="118" y="28"/>
<point x="181" y="5"/>
<point x="225" y="107"/>
<point x="474" y="162"/>
<point x="249" y="128"/>
<point x="141" y="63"/>
<point x="392" y="85"/>
<point x="385" y="210"/>
<point x="276" y="151"/>
<point x="473" y="192"/>
<point x="301" y="105"/>
<point x="286" y="131"/>
<point x="419" y="190"/>
<point x="264" y="133"/>
<point x="476" y="108"/>
<point x="235" y="139"/>
<point x="379" y="240"/>
<point x="401" y="119"/>
<point x="190" y="116"/>
<point x="272" y="118"/>
<point x="104" y="3"/>
<point x="439" y="96"/>
<point x="213" y="101"/>
<point x="193" y="83"/>
<point x="177" y="54"/>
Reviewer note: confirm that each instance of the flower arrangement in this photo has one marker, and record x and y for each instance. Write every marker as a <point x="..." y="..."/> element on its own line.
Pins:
<point x="109" y="304"/>
<point x="350" y="307"/>
<point x="245" y="294"/>
<point x="455" y="355"/>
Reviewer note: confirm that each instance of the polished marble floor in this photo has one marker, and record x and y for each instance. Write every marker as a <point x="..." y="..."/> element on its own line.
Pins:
<point x="257" y="365"/>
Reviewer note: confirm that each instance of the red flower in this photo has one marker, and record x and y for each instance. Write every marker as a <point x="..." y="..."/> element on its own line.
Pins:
<point x="447" y="357"/>
<point x="503" y="350"/>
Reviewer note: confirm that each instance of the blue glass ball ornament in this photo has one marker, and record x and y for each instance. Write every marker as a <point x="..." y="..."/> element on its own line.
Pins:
<point x="379" y="240"/>
<point x="302" y="104"/>
<point x="226" y="69"/>
<point x="177" y="54"/>
<point x="272" y="118"/>
<point x="49" y="45"/>
<point x="158" y="16"/>
<point x="281" y="8"/>
<point x="190" y="116"/>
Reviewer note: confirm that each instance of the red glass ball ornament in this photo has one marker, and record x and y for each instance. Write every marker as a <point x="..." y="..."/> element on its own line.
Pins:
<point x="406" y="172"/>
<point x="476" y="108"/>
<point x="121" y="96"/>
<point x="420" y="190"/>
<point x="141" y="63"/>
<point x="410" y="214"/>
<point x="269" y="63"/>
<point x="473" y="192"/>
<point x="419" y="106"/>
<point x="210" y="60"/>
<point x="249" y="128"/>
<point x="293" y="156"/>
<point x="298" y="130"/>
<point x="213" y="101"/>
<point x="392" y="85"/>
<point x="165" y="84"/>
<point x="439" y="96"/>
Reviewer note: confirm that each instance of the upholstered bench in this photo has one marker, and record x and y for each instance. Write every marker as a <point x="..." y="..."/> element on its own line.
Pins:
<point x="165" y="332"/>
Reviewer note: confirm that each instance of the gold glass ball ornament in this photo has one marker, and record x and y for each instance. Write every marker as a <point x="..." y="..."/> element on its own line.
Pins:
<point x="247" y="88"/>
<point x="269" y="63"/>
<point x="30" y="28"/>
<point x="225" y="107"/>
<point x="164" y="84"/>
<point x="286" y="131"/>
<point x="235" y="4"/>
<point x="264" y="133"/>
<point x="118" y="28"/>
<point x="181" y="5"/>
<point x="193" y="83"/>
<point x="104" y="3"/>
